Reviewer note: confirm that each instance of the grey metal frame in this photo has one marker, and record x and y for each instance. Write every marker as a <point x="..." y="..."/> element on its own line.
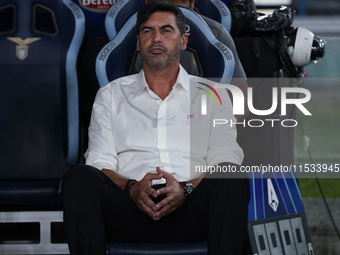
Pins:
<point x="44" y="218"/>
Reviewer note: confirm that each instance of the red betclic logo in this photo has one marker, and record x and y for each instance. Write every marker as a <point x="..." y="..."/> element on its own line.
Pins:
<point x="97" y="5"/>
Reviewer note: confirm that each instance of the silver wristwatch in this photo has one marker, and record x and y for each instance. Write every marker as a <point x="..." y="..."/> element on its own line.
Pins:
<point x="188" y="188"/>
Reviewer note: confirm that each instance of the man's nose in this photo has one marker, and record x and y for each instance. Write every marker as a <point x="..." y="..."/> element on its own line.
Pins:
<point x="157" y="37"/>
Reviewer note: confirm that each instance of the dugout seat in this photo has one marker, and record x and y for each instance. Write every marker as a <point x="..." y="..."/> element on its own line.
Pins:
<point x="110" y="65"/>
<point x="39" y="44"/>
<point x="215" y="10"/>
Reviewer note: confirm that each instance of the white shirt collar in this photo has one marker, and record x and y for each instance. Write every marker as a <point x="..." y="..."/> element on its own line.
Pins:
<point x="182" y="80"/>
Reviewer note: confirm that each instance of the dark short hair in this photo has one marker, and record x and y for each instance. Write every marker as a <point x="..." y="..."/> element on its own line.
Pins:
<point x="153" y="6"/>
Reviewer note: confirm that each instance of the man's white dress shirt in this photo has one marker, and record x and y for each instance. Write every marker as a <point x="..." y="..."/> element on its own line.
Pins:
<point x="132" y="130"/>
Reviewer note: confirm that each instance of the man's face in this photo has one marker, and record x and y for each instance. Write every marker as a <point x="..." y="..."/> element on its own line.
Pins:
<point x="159" y="40"/>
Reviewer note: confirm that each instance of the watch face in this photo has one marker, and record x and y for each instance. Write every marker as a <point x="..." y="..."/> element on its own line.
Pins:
<point x="189" y="188"/>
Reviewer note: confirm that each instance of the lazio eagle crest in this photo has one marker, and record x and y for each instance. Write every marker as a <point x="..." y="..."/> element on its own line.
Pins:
<point x="22" y="45"/>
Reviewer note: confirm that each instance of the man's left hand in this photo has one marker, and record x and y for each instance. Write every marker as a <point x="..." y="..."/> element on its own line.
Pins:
<point x="174" y="192"/>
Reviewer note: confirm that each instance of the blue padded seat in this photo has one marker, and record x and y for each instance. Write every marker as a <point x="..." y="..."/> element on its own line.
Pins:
<point x="30" y="195"/>
<point x="39" y="131"/>
<point x="216" y="10"/>
<point x="196" y="248"/>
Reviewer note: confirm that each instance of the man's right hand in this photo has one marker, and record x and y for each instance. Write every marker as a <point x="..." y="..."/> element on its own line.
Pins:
<point x="142" y="191"/>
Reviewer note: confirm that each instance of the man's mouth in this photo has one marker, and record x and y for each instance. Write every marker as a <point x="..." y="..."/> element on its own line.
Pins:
<point x="157" y="49"/>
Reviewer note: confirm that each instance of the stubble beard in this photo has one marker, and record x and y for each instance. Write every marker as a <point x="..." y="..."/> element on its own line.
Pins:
<point x="157" y="62"/>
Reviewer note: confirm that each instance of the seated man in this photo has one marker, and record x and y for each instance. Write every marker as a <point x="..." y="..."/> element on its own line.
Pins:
<point x="137" y="184"/>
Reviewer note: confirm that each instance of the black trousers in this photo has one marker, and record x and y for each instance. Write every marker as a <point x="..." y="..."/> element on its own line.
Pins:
<point x="97" y="211"/>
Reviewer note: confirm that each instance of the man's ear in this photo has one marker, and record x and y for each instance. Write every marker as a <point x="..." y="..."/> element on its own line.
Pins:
<point x="184" y="41"/>
<point x="192" y="4"/>
<point x="137" y="46"/>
